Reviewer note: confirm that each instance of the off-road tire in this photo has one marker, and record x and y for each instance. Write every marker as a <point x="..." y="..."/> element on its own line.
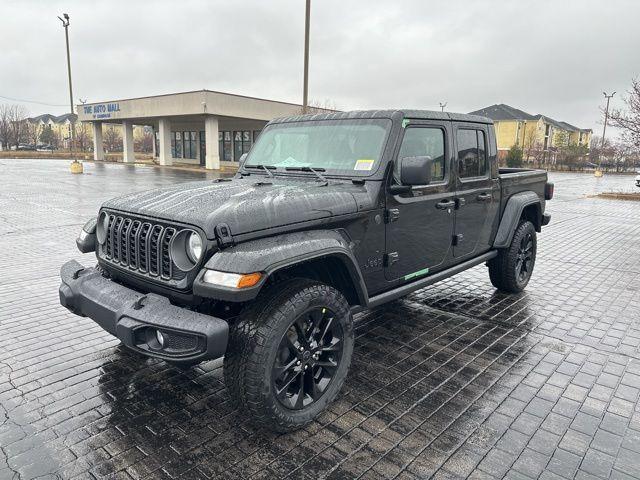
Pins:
<point x="503" y="270"/>
<point x="253" y="345"/>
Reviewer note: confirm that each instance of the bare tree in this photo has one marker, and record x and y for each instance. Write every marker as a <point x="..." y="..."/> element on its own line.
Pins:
<point x="112" y="139"/>
<point x="13" y="124"/>
<point x="18" y="123"/>
<point x="318" y="106"/>
<point x="5" y="130"/>
<point x="82" y="137"/>
<point x="144" y="143"/>
<point x="34" y="129"/>
<point x="629" y="119"/>
<point x="531" y="145"/>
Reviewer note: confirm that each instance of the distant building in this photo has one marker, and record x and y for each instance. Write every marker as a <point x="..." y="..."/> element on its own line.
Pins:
<point x="535" y="134"/>
<point x="203" y="127"/>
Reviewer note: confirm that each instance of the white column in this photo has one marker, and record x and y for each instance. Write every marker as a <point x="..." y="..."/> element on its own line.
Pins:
<point x="212" y="157"/>
<point x="127" y="142"/>
<point x="164" y="140"/>
<point x="98" y="149"/>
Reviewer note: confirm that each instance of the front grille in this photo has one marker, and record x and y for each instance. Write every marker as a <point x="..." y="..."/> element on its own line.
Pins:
<point x="141" y="246"/>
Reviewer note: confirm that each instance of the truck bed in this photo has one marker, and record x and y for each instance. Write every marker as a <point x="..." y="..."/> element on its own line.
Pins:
<point x="515" y="180"/>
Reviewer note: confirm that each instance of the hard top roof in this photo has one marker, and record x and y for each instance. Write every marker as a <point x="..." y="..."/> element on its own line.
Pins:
<point x="404" y="113"/>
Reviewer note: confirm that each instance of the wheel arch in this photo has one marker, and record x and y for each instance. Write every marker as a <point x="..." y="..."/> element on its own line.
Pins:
<point x="525" y="205"/>
<point x="323" y="255"/>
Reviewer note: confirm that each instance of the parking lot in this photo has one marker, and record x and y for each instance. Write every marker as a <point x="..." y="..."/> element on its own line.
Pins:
<point x="453" y="381"/>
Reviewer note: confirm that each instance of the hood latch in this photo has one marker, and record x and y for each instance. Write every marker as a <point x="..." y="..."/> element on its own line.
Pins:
<point x="223" y="234"/>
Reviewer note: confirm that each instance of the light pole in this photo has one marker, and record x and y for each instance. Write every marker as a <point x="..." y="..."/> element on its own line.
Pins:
<point x="76" y="167"/>
<point x="606" y="114"/>
<point x="305" y="87"/>
<point x="442" y="105"/>
<point x="604" y="131"/>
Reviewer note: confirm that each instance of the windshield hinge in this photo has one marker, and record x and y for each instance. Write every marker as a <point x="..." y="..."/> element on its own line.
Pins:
<point x="223" y="234"/>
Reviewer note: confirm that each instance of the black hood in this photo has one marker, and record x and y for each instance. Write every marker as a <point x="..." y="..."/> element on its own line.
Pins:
<point x="244" y="204"/>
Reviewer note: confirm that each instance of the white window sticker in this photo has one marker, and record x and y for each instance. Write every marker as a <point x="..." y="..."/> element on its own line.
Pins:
<point x="364" y="164"/>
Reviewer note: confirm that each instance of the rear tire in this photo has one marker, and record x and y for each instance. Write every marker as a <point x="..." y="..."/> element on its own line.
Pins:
<point x="511" y="270"/>
<point x="289" y="353"/>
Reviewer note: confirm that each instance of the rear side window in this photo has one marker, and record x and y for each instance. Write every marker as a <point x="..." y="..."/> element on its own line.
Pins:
<point x="472" y="153"/>
<point x="424" y="141"/>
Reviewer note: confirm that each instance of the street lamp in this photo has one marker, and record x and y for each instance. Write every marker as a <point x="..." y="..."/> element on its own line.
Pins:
<point x="598" y="172"/>
<point x="305" y="87"/>
<point x="606" y="114"/>
<point x="76" y="167"/>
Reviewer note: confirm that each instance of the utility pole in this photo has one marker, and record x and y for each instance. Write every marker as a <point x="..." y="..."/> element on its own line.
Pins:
<point x="76" y="167"/>
<point x="305" y="88"/>
<point x="442" y="105"/>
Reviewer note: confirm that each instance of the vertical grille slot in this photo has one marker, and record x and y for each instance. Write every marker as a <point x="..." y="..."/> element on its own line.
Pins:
<point x="124" y="241"/>
<point x="143" y="244"/>
<point x="165" y="263"/>
<point x="115" y="239"/>
<point x="154" y="249"/>
<point x="133" y="247"/>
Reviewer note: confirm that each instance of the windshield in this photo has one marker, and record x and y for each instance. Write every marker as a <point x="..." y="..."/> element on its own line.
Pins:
<point x="336" y="146"/>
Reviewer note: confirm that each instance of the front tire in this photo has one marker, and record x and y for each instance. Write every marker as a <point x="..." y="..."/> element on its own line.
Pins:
<point x="289" y="354"/>
<point x="511" y="270"/>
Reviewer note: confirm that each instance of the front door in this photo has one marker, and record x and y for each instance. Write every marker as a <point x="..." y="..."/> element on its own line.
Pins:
<point x="476" y="193"/>
<point x="420" y="222"/>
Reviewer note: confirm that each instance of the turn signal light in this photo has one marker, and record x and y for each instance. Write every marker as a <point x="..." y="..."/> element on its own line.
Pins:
<point x="232" y="280"/>
<point x="249" y="280"/>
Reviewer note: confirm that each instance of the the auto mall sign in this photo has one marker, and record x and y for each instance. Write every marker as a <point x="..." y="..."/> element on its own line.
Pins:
<point x="101" y="110"/>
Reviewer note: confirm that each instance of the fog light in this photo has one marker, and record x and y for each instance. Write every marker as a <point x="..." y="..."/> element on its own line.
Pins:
<point x="160" y="338"/>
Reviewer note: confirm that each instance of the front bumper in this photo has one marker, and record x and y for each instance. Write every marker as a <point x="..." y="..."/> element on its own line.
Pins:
<point x="135" y="318"/>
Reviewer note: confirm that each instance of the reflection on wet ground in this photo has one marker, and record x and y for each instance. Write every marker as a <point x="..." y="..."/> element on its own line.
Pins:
<point x="455" y="381"/>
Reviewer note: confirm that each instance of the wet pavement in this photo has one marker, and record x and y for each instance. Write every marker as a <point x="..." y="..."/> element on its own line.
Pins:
<point x="453" y="381"/>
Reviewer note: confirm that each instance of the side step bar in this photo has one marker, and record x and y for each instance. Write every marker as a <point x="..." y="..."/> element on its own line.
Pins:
<point x="406" y="289"/>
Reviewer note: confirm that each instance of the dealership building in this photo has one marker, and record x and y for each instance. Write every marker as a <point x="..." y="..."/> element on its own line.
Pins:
<point x="202" y="127"/>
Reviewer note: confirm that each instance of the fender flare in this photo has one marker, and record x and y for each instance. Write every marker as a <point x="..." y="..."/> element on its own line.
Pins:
<point x="271" y="254"/>
<point x="512" y="213"/>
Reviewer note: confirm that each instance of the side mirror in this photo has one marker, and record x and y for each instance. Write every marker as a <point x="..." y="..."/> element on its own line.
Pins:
<point x="415" y="170"/>
<point x="243" y="157"/>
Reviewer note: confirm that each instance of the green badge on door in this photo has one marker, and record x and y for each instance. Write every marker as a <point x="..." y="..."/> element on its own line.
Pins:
<point x="419" y="273"/>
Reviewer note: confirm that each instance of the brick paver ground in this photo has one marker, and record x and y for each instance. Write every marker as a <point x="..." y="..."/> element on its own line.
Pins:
<point x="453" y="381"/>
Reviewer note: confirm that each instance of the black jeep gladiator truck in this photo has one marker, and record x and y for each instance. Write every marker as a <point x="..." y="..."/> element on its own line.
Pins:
<point x="327" y="215"/>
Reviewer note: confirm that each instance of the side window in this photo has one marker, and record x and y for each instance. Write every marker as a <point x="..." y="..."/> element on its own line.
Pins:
<point x="472" y="153"/>
<point x="424" y="141"/>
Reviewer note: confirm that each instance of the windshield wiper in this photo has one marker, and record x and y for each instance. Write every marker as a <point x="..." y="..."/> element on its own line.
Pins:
<point x="315" y="171"/>
<point x="266" y="168"/>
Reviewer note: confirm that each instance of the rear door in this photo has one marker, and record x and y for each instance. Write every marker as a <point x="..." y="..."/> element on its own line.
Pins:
<point x="420" y="222"/>
<point x="477" y="194"/>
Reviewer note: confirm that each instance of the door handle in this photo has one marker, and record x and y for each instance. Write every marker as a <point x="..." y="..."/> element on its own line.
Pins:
<point x="445" y="204"/>
<point x="484" y="197"/>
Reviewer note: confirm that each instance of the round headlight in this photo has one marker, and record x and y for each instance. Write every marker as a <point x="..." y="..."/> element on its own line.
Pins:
<point x="102" y="228"/>
<point x="194" y="247"/>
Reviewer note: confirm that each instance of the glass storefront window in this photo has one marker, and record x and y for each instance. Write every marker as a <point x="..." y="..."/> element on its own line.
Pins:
<point x="178" y="145"/>
<point x="227" y="147"/>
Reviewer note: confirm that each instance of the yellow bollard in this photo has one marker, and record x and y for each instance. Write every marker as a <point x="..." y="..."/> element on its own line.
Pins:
<point x="76" y="167"/>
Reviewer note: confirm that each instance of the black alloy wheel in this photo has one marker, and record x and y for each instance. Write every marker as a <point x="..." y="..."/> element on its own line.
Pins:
<point x="524" y="257"/>
<point x="289" y="353"/>
<point x="308" y="358"/>
<point x="511" y="270"/>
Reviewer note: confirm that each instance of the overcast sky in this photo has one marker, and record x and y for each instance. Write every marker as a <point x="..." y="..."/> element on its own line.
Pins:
<point x="544" y="56"/>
